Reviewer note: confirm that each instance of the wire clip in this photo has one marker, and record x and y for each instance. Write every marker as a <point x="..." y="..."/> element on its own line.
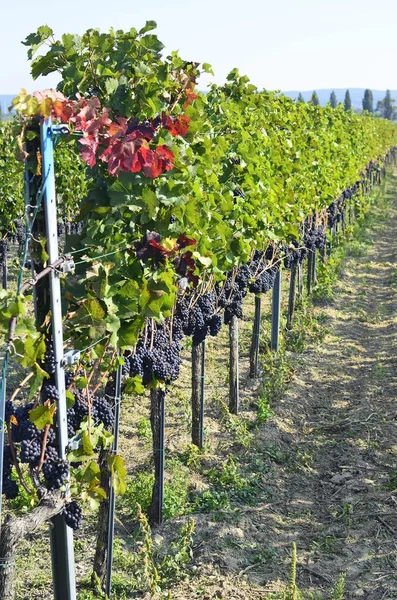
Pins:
<point x="68" y="265"/>
<point x="60" y="130"/>
<point x="70" y="358"/>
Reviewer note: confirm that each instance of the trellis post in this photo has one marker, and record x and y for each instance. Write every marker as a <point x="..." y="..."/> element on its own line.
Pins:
<point x="276" y="313"/>
<point x="62" y="551"/>
<point x="112" y="494"/>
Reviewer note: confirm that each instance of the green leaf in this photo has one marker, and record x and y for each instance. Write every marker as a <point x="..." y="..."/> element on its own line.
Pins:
<point x="129" y="332"/>
<point x="149" y="26"/>
<point x="90" y="472"/>
<point x="118" y="473"/>
<point x="81" y="382"/>
<point x="86" y="444"/>
<point x="151" y="42"/>
<point x="207" y="69"/>
<point x="111" y="85"/>
<point x="94" y="495"/>
<point x="70" y="399"/>
<point x="134" y="385"/>
<point x="42" y="415"/>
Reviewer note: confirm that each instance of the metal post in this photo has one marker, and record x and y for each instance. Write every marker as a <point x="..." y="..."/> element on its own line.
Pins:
<point x="202" y="389"/>
<point x="197" y="390"/>
<point x="309" y="272"/>
<point x="276" y="311"/>
<point x="255" y="338"/>
<point x="343" y="221"/>
<point x="112" y="494"/>
<point x="292" y="295"/>
<point x="234" y="383"/>
<point x="300" y="279"/>
<point x="62" y="552"/>
<point x="2" y="423"/>
<point x="254" y="352"/>
<point x="161" y="457"/>
<point x="314" y="278"/>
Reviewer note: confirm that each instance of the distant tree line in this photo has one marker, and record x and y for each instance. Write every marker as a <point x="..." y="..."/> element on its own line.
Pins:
<point x="385" y="108"/>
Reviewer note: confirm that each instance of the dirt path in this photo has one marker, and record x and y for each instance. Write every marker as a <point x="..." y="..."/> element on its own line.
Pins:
<point x="331" y="454"/>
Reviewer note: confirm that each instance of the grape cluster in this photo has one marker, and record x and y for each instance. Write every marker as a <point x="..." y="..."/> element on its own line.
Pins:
<point x="49" y="392"/>
<point x="336" y="208"/>
<point x="61" y="228"/>
<point x="294" y="254"/>
<point x="55" y="473"/>
<point x="333" y="211"/>
<point x="49" y="363"/>
<point x="30" y="452"/>
<point x="232" y="292"/>
<point x="23" y="429"/>
<point x="76" y="413"/>
<point x="3" y="253"/>
<point x="72" y="514"/>
<point x="263" y="275"/>
<point x="20" y="234"/>
<point x="197" y="317"/>
<point x="314" y="237"/>
<point x="102" y="411"/>
<point x="73" y="228"/>
<point x="10" y="488"/>
<point x="51" y="453"/>
<point x="158" y="357"/>
<point x="215" y="325"/>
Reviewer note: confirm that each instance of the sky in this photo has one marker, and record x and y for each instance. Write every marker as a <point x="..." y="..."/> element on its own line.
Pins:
<point x="280" y="45"/>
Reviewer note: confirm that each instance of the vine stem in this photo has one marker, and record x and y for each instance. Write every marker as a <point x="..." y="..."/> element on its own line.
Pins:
<point x="18" y="389"/>
<point x="44" y="446"/>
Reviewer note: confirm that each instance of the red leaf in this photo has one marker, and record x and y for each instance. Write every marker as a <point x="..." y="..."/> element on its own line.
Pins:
<point x="61" y="111"/>
<point x="88" y="150"/>
<point x="184" y="241"/>
<point x="190" y="98"/>
<point x="177" y="126"/>
<point x="161" y="160"/>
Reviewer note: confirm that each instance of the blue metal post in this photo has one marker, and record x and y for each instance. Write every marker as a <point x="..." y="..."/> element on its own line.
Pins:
<point x="62" y="552"/>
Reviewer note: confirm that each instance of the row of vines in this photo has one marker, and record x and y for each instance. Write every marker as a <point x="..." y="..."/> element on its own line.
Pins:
<point x="172" y="206"/>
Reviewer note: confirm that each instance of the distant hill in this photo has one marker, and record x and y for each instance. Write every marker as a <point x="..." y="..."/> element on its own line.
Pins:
<point x="356" y="95"/>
